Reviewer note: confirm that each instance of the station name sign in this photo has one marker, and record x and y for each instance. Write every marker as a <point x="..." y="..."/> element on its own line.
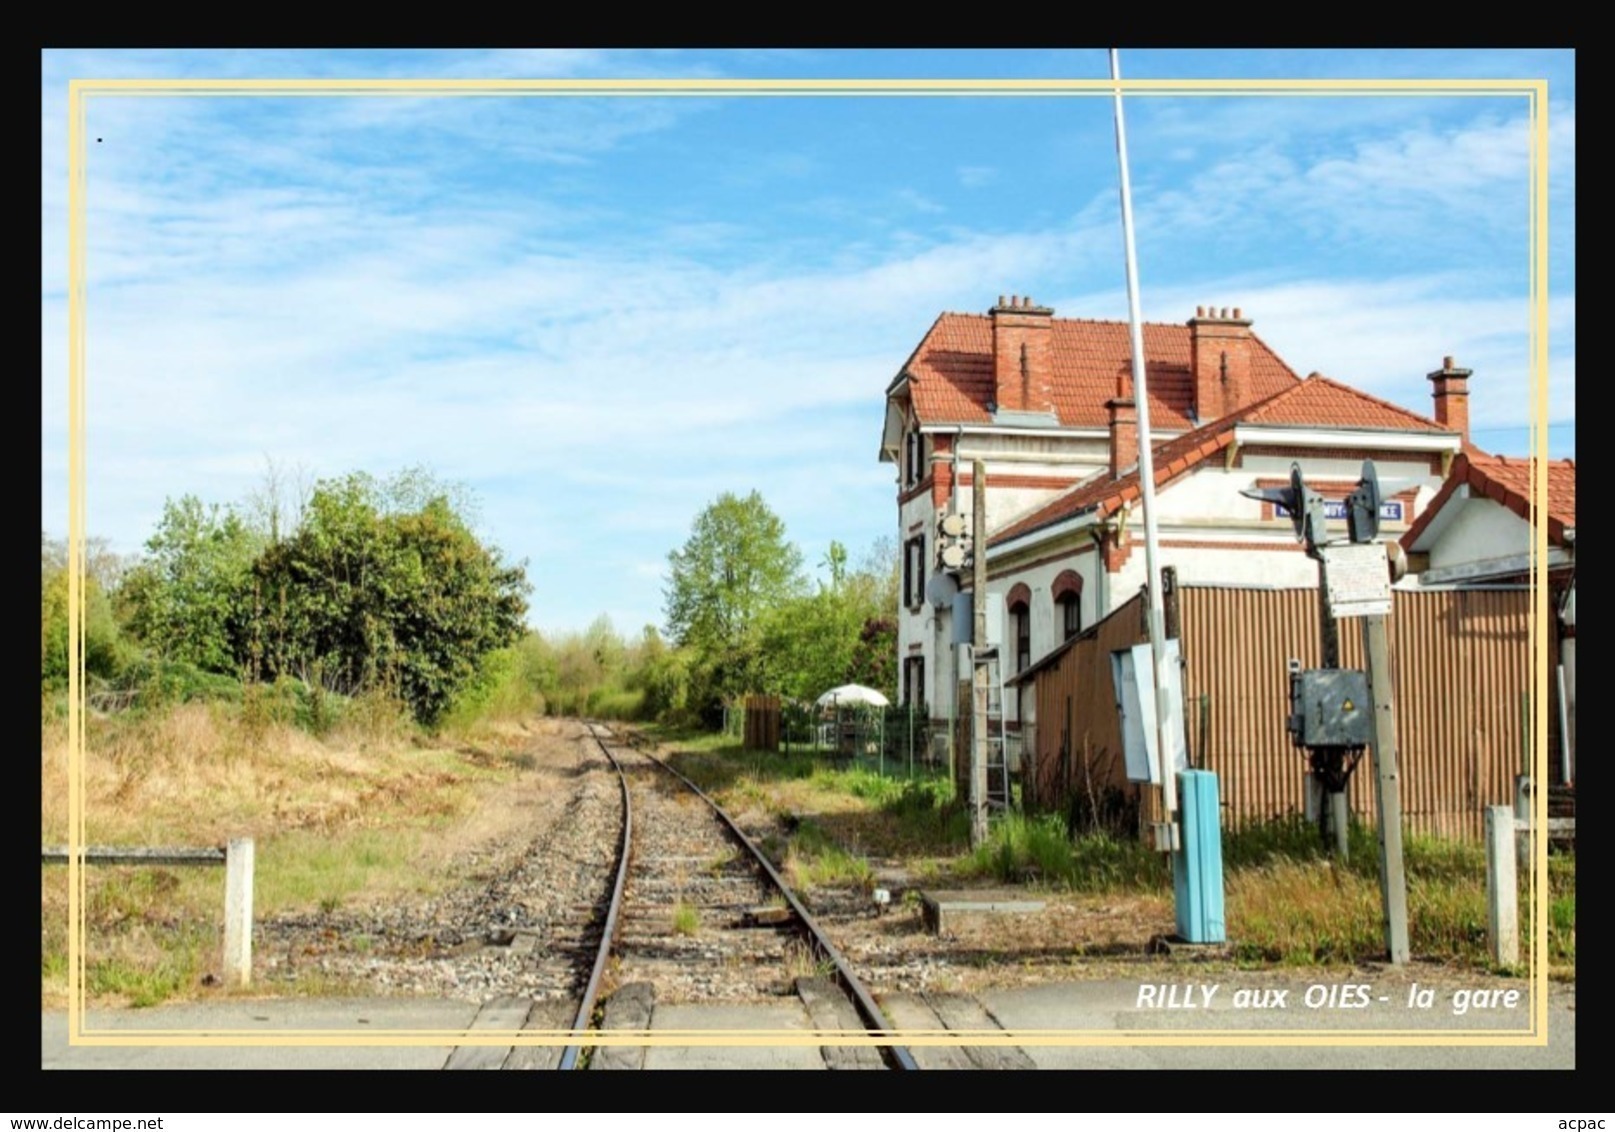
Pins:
<point x="1335" y="509"/>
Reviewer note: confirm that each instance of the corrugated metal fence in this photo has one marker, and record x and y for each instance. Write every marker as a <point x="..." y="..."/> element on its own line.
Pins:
<point x="1460" y="660"/>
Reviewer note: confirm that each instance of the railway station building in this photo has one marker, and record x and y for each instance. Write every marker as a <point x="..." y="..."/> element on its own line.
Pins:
<point x="1047" y="404"/>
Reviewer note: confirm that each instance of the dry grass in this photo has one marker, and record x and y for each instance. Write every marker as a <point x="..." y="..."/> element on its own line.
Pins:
<point x="801" y="962"/>
<point x="367" y="814"/>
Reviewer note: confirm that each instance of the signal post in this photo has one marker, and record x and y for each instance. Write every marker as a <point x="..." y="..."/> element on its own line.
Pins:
<point x="1327" y="704"/>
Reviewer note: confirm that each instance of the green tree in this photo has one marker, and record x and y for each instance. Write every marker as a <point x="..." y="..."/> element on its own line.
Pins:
<point x="815" y="641"/>
<point x="365" y="595"/>
<point x="105" y="650"/>
<point x="882" y="564"/>
<point x="186" y="598"/>
<point x="736" y="567"/>
<point x="663" y="674"/>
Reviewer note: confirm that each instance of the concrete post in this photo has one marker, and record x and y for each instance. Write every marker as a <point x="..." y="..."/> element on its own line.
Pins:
<point x="1340" y="824"/>
<point x="1502" y="893"/>
<point x="238" y="865"/>
<point x="1392" y="880"/>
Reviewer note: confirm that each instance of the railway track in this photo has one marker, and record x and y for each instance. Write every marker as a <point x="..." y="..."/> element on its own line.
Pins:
<point x="697" y="911"/>
<point x="635" y="896"/>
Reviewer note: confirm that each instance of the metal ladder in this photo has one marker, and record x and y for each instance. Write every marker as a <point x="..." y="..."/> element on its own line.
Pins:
<point x="998" y="793"/>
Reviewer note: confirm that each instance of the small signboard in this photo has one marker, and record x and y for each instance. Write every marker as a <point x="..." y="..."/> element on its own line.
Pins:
<point x="1357" y="579"/>
<point x="1135" y="700"/>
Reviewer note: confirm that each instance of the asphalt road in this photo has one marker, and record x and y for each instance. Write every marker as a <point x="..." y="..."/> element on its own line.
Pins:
<point x="1249" y="1021"/>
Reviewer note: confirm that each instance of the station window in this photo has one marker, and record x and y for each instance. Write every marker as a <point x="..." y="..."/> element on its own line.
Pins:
<point x="1071" y="614"/>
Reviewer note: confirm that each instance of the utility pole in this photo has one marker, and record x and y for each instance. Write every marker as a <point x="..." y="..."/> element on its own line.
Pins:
<point x="978" y="697"/>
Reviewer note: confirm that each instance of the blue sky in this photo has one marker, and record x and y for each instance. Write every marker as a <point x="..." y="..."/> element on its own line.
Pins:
<point x="599" y="313"/>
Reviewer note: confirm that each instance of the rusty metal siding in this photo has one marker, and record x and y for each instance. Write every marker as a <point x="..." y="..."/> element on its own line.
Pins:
<point x="1460" y="660"/>
<point x="1078" y="740"/>
<point x="1236" y="645"/>
<point x="1460" y="665"/>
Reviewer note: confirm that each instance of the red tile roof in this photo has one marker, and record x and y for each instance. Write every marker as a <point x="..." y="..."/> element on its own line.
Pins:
<point x="1317" y="402"/>
<point x="951" y="371"/>
<point x="1506" y="479"/>
<point x="1320" y="402"/>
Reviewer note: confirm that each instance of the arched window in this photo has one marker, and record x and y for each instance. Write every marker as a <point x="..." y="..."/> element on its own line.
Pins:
<point x="1067" y="591"/>
<point x="1019" y="604"/>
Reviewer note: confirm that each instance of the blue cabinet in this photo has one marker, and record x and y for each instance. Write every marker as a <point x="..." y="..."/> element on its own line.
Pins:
<point x="1197" y="863"/>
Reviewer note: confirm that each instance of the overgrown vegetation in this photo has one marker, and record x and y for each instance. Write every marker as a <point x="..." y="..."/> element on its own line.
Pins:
<point x="363" y="587"/>
<point x="686" y="919"/>
<point x="312" y="665"/>
<point x="1286" y="901"/>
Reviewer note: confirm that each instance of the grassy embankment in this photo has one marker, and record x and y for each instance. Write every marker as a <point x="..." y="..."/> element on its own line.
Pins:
<point x="368" y="810"/>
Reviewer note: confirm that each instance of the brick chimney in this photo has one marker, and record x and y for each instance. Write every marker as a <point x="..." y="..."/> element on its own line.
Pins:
<point x="1023" y="368"/>
<point x="1451" y="393"/>
<point x="1123" y="427"/>
<point x="1220" y="356"/>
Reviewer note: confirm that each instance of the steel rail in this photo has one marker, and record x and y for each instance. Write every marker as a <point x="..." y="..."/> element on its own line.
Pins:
<point x="873" y="1020"/>
<point x="570" y="1055"/>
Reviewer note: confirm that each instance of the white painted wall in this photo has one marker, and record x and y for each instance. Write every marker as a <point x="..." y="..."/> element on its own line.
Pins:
<point x="915" y="626"/>
<point x="1482" y="529"/>
<point x="1068" y="458"/>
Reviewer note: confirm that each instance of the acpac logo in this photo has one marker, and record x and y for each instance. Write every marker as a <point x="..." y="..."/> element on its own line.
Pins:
<point x="1582" y="1125"/>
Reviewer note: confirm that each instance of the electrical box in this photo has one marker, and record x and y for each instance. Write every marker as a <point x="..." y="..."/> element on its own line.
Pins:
<point x="1329" y="707"/>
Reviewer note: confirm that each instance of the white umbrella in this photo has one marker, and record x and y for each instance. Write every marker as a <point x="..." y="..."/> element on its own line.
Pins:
<point x="852" y="694"/>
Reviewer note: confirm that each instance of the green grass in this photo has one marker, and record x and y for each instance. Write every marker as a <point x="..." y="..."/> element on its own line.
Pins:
<point x="686" y="919"/>
<point x="1561" y="913"/>
<point x="151" y="964"/>
<point x="139" y="983"/>
<point x="1288" y="902"/>
<point x="1036" y="848"/>
<point x="303" y="868"/>
<point x="813" y="859"/>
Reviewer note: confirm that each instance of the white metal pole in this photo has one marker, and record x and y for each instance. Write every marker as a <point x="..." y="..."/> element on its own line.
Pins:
<point x="1146" y="469"/>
